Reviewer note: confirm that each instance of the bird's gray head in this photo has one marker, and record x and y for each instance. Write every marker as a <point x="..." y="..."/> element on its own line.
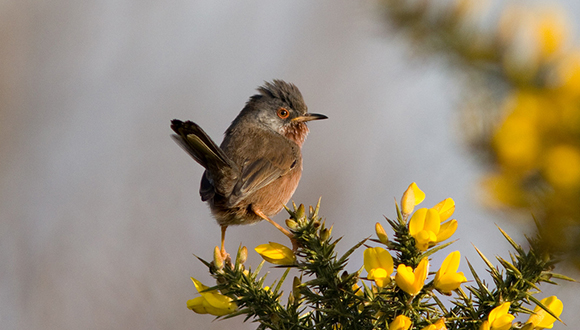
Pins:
<point x="279" y="107"/>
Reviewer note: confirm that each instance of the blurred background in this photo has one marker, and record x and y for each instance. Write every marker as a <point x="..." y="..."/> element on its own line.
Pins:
<point x="99" y="208"/>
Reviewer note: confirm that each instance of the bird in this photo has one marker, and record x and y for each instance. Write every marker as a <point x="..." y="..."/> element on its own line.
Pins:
<point x="254" y="172"/>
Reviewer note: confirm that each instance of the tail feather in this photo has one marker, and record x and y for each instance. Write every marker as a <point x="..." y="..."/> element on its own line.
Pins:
<point x="198" y="144"/>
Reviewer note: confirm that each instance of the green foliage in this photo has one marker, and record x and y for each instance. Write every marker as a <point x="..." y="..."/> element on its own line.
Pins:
<point x="325" y="296"/>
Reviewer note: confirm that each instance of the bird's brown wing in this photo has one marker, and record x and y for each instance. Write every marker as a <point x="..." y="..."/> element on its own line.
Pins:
<point x="271" y="165"/>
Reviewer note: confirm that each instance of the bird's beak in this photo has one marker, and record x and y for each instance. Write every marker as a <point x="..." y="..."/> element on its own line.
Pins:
<point x="309" y="117"/>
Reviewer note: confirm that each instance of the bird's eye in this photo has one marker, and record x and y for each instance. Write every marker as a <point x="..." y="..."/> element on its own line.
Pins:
<point x="283" y="113"/>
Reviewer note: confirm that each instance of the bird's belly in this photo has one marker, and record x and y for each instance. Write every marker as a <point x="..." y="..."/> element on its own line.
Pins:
<point x="269" y="200"/>
<point x="272" y="198"/>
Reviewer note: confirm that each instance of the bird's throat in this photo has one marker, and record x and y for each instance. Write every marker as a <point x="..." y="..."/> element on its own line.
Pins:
<point x="296" y="132"/>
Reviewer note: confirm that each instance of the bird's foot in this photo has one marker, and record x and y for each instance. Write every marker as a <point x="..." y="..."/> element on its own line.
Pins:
<point x="295" y="244"/>
<point x="225" y="256"/>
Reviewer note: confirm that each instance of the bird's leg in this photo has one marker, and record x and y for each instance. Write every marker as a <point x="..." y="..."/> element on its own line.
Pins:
<point x="223" y="250"/>
<point x="280" y="228"/>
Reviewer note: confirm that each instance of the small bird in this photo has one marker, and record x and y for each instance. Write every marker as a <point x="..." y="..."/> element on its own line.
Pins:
<point x="257" y="167"/>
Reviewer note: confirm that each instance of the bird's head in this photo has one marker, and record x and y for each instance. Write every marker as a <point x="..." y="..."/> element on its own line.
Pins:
<point x="280" y="107"/>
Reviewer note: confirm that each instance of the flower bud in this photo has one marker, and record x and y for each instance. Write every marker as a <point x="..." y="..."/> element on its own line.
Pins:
<point x="218" y="259"/>
<point x="325" y="234"/>
<point x="291" y="224"/>
<point x="381" y="233"/>
<point x="296" y="288"/>
<point x="300" y="212"/>
<point x="242" y="255"/>
<point x="411" y="197"/>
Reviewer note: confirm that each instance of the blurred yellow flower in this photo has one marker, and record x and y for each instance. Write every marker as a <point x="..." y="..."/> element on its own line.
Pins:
<point x="516" y="141"/>
<point x="551" y="30"/>
<point x="567" y="73"/>
<point x="531" y="37"/>
<point x="411" y="197"/>
<point x="447" y="278"/>
<point x="499" y="318"/>
<point x="562" y="166"/>
<point x="379" y="264"/>
<point x="412" y="281"/>
<point x="503" y="190"/>
<point x="541" y="319"/>
<point x="400" y="322"/>
<point x="426" y="228"/>
<point x="276" y="253"/>
<point x="439" y="325"/>
<point x="211" y="302"/>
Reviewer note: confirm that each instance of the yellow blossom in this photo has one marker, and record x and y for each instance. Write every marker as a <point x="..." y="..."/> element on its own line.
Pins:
<point x="531" y="37"/>
<point x="499" y="318"/>
<point x="439" y="325"/>
<point x="400" y="322"/>
<point x="211" y="302"/>
<point x="446" y="230"/>
<point x="503" y="190"/>
<point x="276" y="253"/>
<point x="381" y="233"/>
<point x="484" y="325"/>
<point x="568" y="73"/>
<point x="425" y="226"/>
<point x="541" y="319"/>
<point x="445" y="208"/>
<point x="379" y="264"/>
<point x="516" y="141"/>
<point x="412" y="281"/>
<point x="562" y="166"/>
<point x="551" y="30"/>
<point x="357" y="290"/>
<point x="447" y="278"/>
<point x="411" y="197"/>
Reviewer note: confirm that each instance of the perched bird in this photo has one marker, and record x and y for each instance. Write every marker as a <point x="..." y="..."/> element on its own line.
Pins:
<point x="257" y="167"/>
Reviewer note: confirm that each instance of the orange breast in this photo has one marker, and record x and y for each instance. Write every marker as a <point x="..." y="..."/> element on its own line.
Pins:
<point x="271" y="198"/>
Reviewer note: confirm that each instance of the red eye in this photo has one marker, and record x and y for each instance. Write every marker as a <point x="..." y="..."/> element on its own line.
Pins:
<point x="283" y="113"/>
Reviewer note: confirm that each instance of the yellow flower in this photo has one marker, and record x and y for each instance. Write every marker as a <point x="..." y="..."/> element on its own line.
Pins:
<point x="499" y="318"/>
<point x="381" y="233"/>
<point x="568" y="72"/>
<point x="531" y="37"/>
<point x="411" y="197"/>
<point x="412" y="281"/>
<point x="425" y="226"/>
<point x="400" y="322"/>
<point x="276" y="253"/>
<point x="541" y="319"/>
<point x="379" y="264"/>
<point x="562" y="166"/>
<point x="516" y="141"/>
<point x="484" y="325"/>
<point x="447" y="278"/>
<point x="551" y="30"/>
<point x="439" y="325"/>
<point x="503" y="189"/>
<point x="211" y="302"/>
<point x="445" y="208"/>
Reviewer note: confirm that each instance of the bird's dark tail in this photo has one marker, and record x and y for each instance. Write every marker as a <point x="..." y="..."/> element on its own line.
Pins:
<point x="198" y="144"/>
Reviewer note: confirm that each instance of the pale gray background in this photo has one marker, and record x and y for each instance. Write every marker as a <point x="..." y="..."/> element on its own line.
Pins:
<point x="100" y="208"/>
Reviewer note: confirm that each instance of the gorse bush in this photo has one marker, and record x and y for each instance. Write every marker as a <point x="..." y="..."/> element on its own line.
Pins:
<point x="325" y="296"/>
